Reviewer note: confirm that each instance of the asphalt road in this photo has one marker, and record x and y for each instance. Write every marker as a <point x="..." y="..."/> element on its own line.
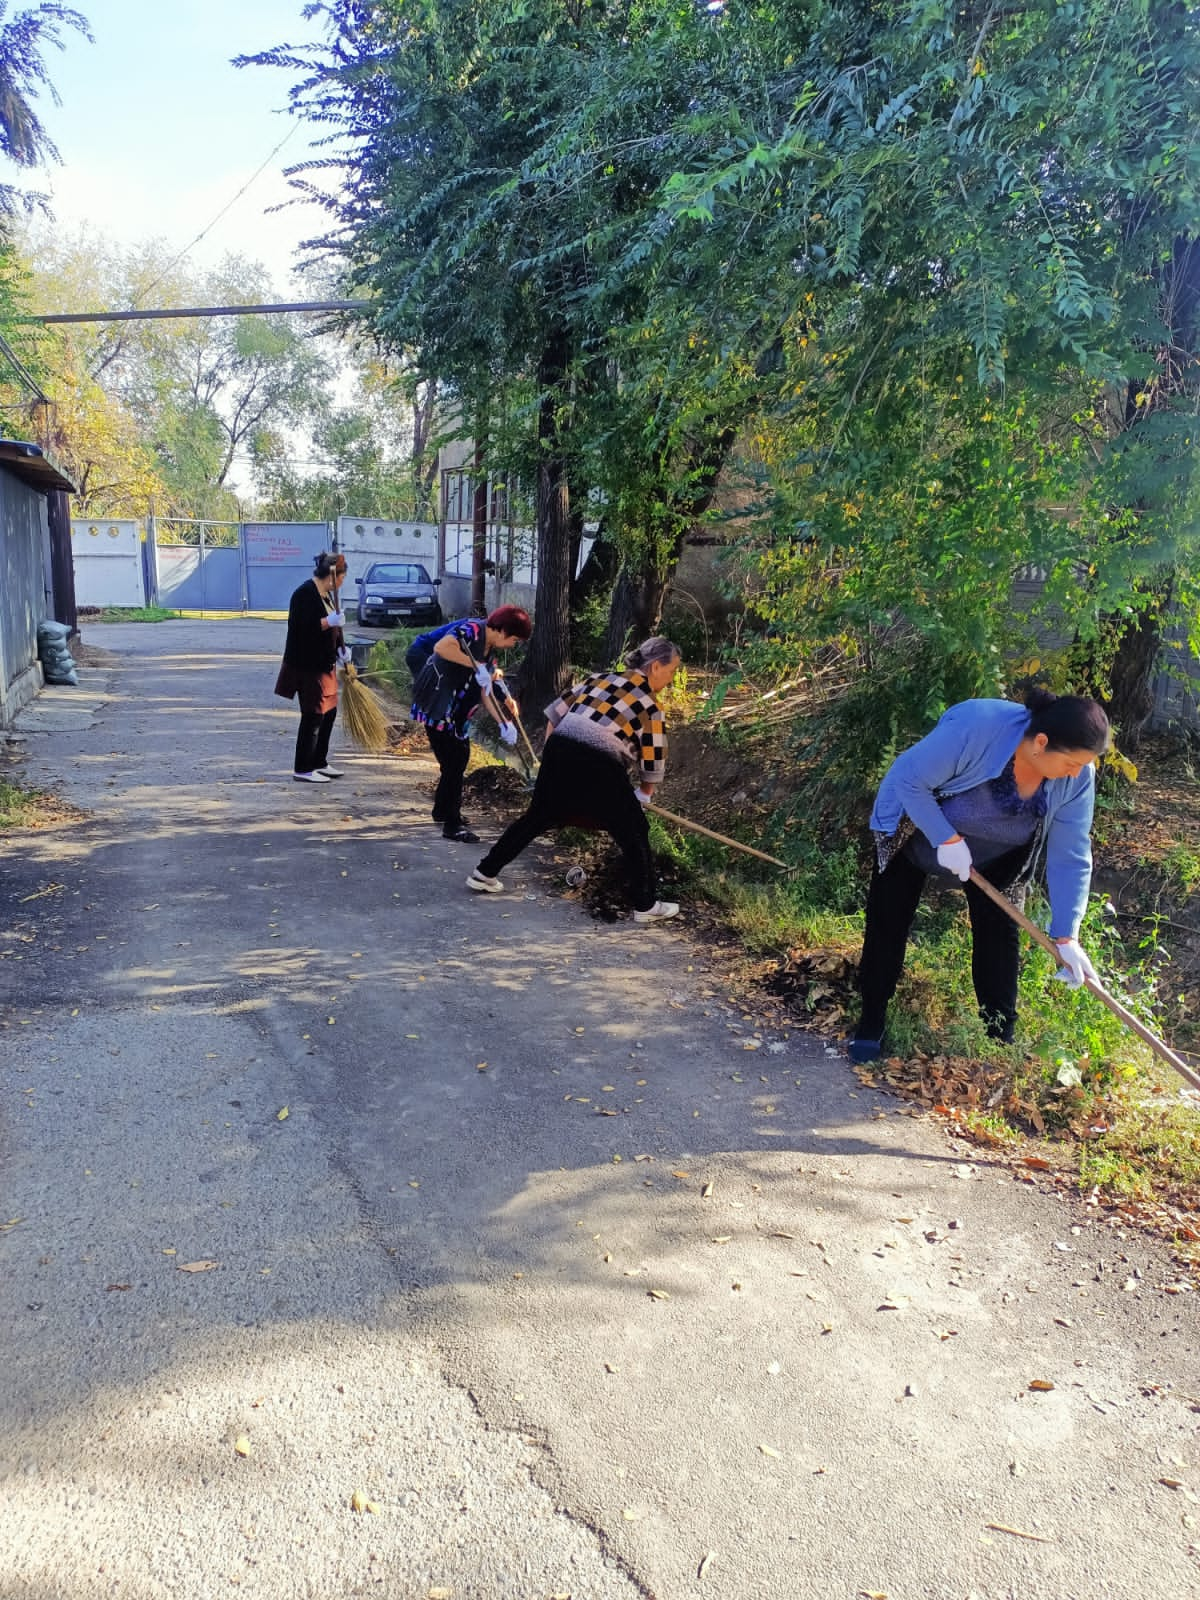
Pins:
<point x="581" y="1281"/>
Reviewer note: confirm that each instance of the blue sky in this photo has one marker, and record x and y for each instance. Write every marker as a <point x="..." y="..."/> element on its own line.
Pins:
<point x="158" y="131"/>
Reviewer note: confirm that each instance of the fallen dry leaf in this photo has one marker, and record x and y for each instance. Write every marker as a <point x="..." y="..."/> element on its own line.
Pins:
<point x="767" y="1451"/>
<point x="282" y="1114"/>
<point x="704" y="1563"/>
<point x="241" y="1445"/>
<point x="1018" y="1533"/>
<point x="658" y="1294"/>
<point x="1040" y="1386"/>
<point x="196" y="1266"/>
<point x="706" y="1192"/>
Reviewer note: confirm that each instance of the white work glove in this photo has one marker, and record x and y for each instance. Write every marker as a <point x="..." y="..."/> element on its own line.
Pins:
<point x="344" y="656"/>
<point x="645" y="796"/>
<point x="483" y="677"/>
<point x="336" y="619"/>
<point x="1075" y="965"/>
<point x="508" y="733"/>
<point x="955" y="856"/>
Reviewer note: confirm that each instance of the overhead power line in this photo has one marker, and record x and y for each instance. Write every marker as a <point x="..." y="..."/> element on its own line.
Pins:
<point x="198" y="311"/>
<point x="207" y="229"/>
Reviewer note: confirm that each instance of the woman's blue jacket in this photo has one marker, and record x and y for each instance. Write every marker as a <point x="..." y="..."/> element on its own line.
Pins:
<point x="975" y="741"/>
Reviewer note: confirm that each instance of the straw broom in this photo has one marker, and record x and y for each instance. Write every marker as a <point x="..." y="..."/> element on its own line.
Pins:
<point x="362" y="716"/>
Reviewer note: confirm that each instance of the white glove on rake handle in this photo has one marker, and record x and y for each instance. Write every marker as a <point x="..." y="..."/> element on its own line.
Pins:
<point x="483" y="677"/>
<point x="955" y="856"/>
<point x="1076" y="969"/>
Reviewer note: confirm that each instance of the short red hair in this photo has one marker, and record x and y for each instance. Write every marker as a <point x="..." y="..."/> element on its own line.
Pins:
<point x="512" y="621"/>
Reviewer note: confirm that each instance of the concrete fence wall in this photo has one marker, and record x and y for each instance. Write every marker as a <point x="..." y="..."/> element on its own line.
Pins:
<point x="106" y="553"/>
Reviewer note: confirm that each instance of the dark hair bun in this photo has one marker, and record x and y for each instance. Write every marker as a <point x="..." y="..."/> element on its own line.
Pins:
<point x="1038" y="699"/>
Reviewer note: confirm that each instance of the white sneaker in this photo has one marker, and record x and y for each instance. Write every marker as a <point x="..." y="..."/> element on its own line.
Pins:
<point x="484" y="885"/>
<point x="331" y="772"/>
<point x="310" y="777"/>
<point x="660" y="911"/>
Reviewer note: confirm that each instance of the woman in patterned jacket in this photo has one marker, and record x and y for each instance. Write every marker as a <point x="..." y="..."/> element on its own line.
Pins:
<point x="602" y="732"/>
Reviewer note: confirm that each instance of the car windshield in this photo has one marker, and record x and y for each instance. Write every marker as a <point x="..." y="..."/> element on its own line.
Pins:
<point x="390" y="573"/>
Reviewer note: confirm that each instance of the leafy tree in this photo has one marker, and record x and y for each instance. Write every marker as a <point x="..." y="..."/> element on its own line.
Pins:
<point x="99" y="442"/>
<point x="373" y="456"/>
<point x="972" y="213"/>
<point x="23" y="39"/>
<point x="202" y="390"/>
<point x="490" y="156"/>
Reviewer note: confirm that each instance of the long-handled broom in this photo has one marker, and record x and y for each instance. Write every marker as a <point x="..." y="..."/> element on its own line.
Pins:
<point x="1118" y="1010"/>
<point x="362" y="716"/>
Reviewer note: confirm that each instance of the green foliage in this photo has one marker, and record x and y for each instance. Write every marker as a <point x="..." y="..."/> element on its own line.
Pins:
<point x="23" y="39"/>
<point x="17" y="806"/>
<point x="928" y="256"/>
<point x="135" y="614"/>
<point x="162" y="410"/>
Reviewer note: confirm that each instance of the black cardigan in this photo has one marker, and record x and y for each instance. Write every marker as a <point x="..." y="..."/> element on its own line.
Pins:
<point x="309" y="646"/>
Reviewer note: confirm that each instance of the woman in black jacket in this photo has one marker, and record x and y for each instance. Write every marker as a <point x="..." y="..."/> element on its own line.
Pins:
<point x="311" y="654"/>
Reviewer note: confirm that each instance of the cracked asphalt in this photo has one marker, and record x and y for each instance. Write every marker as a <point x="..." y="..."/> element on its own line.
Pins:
<point x="362" y="1236"/>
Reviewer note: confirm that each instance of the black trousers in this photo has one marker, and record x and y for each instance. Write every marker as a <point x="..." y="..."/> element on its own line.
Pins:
<point x="312" y="740"/>
<point x="995" y="952"/>
<point x="452" y="755"/>
<point x="579" y="785"/>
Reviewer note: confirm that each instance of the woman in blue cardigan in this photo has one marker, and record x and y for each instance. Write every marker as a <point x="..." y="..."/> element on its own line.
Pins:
<point x="997" y="786"/>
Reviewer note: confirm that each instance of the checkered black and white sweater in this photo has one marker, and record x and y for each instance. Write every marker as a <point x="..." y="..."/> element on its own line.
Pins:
<point x="615" y="712"/>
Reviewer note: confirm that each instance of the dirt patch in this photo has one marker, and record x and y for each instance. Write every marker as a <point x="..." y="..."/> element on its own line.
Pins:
<point x="91" y="655"/>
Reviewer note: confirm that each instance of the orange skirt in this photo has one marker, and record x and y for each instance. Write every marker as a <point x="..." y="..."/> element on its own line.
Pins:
<point x="317" y="691"/>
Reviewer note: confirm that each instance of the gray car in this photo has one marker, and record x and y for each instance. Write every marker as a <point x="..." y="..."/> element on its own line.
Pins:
<point x="394" y="592"/>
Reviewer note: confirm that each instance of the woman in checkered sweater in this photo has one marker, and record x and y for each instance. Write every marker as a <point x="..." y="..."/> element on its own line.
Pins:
<point x="602" y="733"/>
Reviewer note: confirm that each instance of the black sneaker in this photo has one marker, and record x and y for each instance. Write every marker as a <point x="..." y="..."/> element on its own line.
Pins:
<point x="864" y="1050"/>
<point x="460" y="833"/>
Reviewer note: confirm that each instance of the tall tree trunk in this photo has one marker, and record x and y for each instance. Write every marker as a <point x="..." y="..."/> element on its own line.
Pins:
<point x="1137" y="660"/>
<point x="424" y="460"/>
<point x="545" y="668"/>
<point x="641" y="589"/>
<point x="595" y="579"/>
<point x="1134" y="669"/>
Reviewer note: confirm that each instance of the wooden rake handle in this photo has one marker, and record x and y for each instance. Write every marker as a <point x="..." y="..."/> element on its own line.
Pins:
<point x="1118" y="1010"/>
<point x="721" y="838"/>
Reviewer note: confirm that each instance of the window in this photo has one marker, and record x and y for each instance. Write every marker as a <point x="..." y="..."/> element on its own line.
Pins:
<point x="392" y="573"/>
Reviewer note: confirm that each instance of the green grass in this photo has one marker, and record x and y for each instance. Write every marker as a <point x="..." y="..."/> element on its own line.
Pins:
<point x="17" y="806"/>
<point x="134" y="614"/>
